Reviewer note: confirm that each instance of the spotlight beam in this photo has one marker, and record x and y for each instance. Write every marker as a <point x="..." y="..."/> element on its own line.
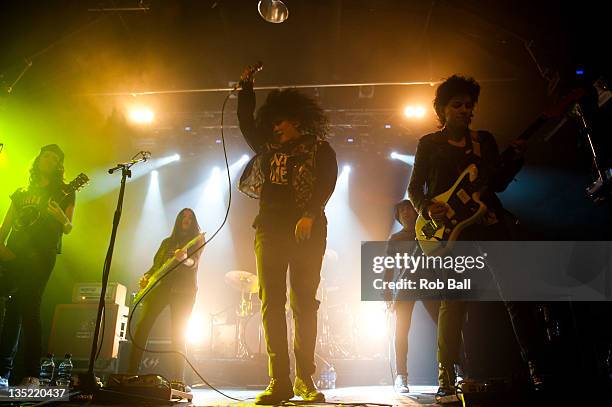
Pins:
<point x="407" y="158"/>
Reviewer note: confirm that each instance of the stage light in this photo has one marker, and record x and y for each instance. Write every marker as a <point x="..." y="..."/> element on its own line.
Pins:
<point x="187" y="128"/>
<point x="218" y="141"/>
<point x="141" y="115"/>
<point x="387" y="126"/>
<point x="407" y="158"/>
<point x="412" y="112"/>
<point x="213" y="190"/>
<point x="350" y="140"/>
<point x="236" y="166"/>
<point x="153" y="207"/>
<point x="372" y="321"/>
<point x="160" y="162"/>
<point x="198" y="329"/>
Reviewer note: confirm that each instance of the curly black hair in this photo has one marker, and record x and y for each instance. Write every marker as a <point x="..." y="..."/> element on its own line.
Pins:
<point x="57" y="180"/>
<point x="454" y="86"/>
<point x="290" y="104"/>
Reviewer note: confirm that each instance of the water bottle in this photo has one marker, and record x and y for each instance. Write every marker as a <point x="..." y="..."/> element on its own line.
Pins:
<point x="47" y="369"/>
<point x="323" y="381"/>
<point x="331" y="376"/>
<point x="327" y="378"/>
<point x="64" y="371"/>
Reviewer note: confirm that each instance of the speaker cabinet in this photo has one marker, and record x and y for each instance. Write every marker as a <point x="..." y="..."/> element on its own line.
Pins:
<point x="73" y="327"/>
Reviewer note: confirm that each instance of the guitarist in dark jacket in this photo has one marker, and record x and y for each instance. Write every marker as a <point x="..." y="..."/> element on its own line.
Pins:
<point x="440" y="158"/>
<point x="177" y="290"/>
<point x="36" y="220"/>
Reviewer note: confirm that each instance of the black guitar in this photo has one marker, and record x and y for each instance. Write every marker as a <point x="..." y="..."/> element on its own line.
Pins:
<point x="27" y="217"/>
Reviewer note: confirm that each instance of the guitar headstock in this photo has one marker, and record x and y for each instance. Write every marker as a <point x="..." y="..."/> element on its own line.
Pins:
<point x="564" y="105"/>
<point x="79" y="182"/>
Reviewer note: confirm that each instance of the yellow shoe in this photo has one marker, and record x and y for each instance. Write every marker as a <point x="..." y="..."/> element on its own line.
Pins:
<point x="306" y="389"/>
<point x="276" y="392"/>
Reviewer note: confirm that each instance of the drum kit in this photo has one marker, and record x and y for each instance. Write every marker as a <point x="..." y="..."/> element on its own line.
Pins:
<point x="247" y="284"/>
<point x="333" y="341"/>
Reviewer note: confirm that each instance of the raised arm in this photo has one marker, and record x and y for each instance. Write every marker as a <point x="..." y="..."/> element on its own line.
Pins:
<point x="246" y="121"/>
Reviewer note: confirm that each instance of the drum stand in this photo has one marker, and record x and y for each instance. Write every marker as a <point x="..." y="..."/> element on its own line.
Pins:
<point x="329" y="347"/>
<point x="244" y="313"/>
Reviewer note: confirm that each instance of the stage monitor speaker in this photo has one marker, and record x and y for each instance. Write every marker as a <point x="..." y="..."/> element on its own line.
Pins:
<point x="90" y="292"/>
<point x="73" y="327"/>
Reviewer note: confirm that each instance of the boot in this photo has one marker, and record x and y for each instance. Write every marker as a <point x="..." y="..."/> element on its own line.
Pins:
<point x="276" y="392"/>
<point x="446" y="383"/>
<point x="306" y="389"/>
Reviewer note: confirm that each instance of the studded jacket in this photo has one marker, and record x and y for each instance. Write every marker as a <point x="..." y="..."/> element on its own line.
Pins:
<point x="312" y="171"/>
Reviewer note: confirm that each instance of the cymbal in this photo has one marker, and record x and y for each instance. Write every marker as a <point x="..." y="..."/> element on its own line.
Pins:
<point x="242" y="281"/>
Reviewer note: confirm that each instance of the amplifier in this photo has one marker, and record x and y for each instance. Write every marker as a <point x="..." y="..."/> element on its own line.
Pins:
<point x="90" y="293"/>
<point x="73" y="327"/>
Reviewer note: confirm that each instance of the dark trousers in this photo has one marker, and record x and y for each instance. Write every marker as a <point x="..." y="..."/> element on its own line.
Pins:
<point x="22" y="313"/>
<point x="276" y="249"/>
<point x="181" y="304"/>
<point x="452" y="312"/>
<point x="403" y="318"/>
<point x="450" y="325"/>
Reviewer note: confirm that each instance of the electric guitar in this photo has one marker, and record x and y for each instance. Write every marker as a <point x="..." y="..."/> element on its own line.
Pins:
<point x="155" y="276"/>
<point x="30" y="215"/>
<point x="463" y="199"/>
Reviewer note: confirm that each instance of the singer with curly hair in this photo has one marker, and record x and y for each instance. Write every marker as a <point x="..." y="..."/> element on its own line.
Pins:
<point x="293" y="175"/>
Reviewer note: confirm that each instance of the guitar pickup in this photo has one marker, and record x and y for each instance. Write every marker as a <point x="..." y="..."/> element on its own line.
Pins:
<point x="463" y="196"/>
<point x="450" y="213"/>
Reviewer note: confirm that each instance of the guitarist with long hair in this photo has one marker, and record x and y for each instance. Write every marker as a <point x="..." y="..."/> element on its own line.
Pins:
<point x="440" y="159"/>
<point x="36" y="220"/>
<point x="177" y="290"/>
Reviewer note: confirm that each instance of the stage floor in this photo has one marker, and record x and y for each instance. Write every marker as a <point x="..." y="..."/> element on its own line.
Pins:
<point x="420" y="396"/>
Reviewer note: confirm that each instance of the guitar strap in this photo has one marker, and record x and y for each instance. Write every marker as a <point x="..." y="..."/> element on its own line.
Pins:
<point x="474" y="155"/>
<point x="475" y="142"/>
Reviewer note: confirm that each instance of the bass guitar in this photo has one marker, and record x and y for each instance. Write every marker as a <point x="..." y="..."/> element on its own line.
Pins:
<point x="156" y="275"/>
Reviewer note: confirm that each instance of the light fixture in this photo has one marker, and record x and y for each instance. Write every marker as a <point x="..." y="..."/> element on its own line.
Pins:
<point x="273" y="11"/>
<point x="141" y="115"/>
<point x="412" y="112"/>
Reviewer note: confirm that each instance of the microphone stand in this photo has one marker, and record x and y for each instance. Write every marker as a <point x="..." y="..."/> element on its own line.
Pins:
<point x="88" y="380"/>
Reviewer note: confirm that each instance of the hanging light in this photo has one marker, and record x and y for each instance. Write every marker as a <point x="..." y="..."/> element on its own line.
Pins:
<point x="273" y="11"/>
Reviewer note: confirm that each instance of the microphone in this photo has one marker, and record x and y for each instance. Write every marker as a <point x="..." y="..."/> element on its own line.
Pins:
<point x="249" y="73"/>
<point x="142" y="156"/>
